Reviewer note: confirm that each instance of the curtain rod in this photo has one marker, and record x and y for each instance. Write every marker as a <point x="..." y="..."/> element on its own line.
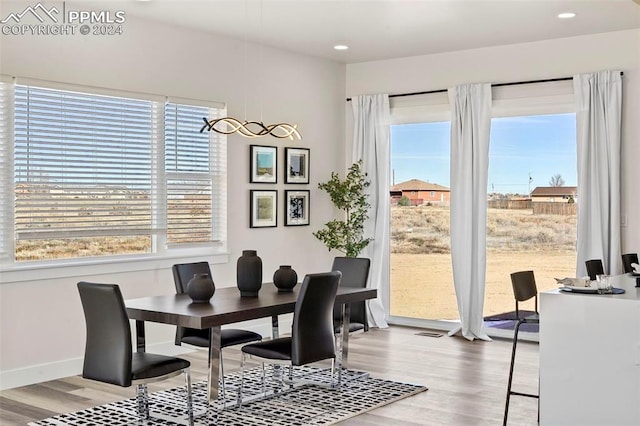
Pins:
<point x="513" y="83"/>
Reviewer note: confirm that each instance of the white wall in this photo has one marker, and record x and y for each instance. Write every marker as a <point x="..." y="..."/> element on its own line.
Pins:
<point x="41" y="321"/>
<point x="529" y="61"/>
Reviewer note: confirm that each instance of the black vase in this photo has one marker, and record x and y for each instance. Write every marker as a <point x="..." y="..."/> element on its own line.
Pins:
<point x="285" y="279"/>
<point x="249" y="273"/>
<point x="200" y="288"/>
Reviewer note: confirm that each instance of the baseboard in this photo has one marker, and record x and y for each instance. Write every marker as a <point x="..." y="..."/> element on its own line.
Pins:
<point x="39" y="373"/>
<point x="446" y="325"/>
<point x="72" y="367"/>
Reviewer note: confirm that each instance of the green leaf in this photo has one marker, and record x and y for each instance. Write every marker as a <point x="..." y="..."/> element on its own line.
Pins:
<point x="349" y="196"/>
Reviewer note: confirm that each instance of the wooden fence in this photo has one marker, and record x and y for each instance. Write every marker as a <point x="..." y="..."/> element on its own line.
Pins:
<point x="566" y="209"/>
<point x="510" y="204"/>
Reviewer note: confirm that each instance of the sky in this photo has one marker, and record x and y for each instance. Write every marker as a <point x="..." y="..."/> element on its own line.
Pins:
<point x="539" y="146"/>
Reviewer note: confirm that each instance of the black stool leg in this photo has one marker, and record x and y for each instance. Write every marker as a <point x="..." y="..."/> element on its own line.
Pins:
<point x="513" y="358"/>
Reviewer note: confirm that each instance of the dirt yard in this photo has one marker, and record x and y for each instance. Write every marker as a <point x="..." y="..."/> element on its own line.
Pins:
<point x="517" y="240"/>
<point x="422" y="284"/>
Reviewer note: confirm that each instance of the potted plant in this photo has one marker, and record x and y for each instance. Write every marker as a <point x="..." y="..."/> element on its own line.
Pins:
<point x="349" y="196"/>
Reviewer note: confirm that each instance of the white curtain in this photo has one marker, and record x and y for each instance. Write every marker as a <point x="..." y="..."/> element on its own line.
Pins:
<point x="599" y="104"/>
<point x="371" y="144"/>
<point x="470" y="128"/>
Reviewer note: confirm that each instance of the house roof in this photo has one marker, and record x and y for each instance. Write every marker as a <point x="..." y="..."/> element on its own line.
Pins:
<point x="419" y="185"/>
<point x="554" y="191"/>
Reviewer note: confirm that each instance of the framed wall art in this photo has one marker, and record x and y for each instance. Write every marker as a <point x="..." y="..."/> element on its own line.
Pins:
<point x="264" y="164"/>
<point x="296" y="208"/>
<point x="296" y="165"/>
<point x="264" y="209"/>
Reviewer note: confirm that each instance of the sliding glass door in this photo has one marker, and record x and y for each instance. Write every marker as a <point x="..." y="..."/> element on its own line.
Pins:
<point x="421" y="282"/>
<point x="532" y="204"/>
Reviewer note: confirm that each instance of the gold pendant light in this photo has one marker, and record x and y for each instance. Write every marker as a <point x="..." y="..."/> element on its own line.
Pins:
<point x="251" y="129"/>
<point x="246" y="128"/>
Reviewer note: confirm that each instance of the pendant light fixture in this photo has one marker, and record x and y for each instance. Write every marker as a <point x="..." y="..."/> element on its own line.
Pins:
<point x="253" y="128"/>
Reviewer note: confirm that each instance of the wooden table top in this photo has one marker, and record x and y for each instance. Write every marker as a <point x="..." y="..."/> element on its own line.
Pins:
<point x="226" y="306"/>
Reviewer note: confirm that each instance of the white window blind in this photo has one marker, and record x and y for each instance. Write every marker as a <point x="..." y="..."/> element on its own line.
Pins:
<point x="82" y="164"/>
<point x="6" y="132"/>
<point x="90" y="172"/>
<point x="192" y="169"/>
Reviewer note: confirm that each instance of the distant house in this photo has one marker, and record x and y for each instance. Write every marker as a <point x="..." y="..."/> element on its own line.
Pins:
<point x="420" y="192"/>
<point x="554" y="194"/>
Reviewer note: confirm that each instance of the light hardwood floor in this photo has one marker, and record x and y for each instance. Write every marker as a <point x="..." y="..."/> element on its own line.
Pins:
<point x="466" y="380"/>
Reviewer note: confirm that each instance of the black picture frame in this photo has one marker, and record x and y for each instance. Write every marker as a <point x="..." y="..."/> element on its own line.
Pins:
<point x="264" y="164"/>
<point x="296" y="170"/>
<point x="263" y="208"/>
<point x="296" y="207"/>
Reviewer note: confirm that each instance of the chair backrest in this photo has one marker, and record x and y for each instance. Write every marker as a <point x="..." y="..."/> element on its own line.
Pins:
<point x="627" y="260"/>
<point x="312" y="336"/>
<point x="108" y="350"/>
<point x="355" y="273"/>
<point x="524" y="288"/>
<point x="594" y="267"/>
<point x="182" y="274"/>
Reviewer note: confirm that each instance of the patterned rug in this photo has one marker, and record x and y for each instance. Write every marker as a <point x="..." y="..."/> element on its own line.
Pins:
<point x="311" y="404"/>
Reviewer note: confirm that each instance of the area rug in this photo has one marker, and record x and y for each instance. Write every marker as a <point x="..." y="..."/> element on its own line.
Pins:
<point x="312" y="404"/>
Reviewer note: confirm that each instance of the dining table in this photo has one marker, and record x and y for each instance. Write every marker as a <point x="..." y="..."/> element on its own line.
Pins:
<point x="228" y="307"/>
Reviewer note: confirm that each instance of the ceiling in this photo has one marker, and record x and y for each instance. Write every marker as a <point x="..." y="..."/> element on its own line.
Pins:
<point x="384" y="29"/>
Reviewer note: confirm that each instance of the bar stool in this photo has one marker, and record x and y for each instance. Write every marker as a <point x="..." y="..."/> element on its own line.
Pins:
<point x="524" y="288"/>
<point x="627" y="260"/>
<point x="594" y="268"/>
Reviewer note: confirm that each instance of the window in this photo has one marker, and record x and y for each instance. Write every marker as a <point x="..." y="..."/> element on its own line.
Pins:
<point x="97" y="175"/>
<point x="195" y="174"/>
<point x="525" y="154"/>
<point x="421" y="281"/>
<point x="6" y="121"/>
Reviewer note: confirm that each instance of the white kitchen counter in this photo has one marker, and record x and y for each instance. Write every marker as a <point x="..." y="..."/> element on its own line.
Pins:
<point x="590" y="357"/>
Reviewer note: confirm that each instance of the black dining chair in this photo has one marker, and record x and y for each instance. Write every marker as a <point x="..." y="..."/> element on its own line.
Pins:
<point x="312" y="337"/>
<point x="182" y="273"/>
<point x="594" y="268"/>
<point x="109" y="356"/>
<point x="355" y="273"/>
<point x="627" y="260"/>
<point x="524" y="289"/>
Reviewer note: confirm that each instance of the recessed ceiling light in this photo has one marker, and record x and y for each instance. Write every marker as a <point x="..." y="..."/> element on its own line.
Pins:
<point x="341" y="47"/>
<point x="566" y="15"/>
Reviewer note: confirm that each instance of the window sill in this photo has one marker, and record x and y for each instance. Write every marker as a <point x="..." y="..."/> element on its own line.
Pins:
<point x="70" y="268"/>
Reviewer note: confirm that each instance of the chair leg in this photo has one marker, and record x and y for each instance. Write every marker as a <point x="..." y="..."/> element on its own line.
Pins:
<point x="224" y="392"/>
<point x="513" y="358"/>
<point x="187" y="379"/>
<point x="291" y="376"/>
<point x="333" y="370"/>
<point x="278" y="377"/>
<point x="243" y="360"/>
<point x="142" y="399"/>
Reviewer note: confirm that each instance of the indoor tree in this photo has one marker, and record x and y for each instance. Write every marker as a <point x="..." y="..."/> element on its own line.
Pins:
<point x="349" y="196"/>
